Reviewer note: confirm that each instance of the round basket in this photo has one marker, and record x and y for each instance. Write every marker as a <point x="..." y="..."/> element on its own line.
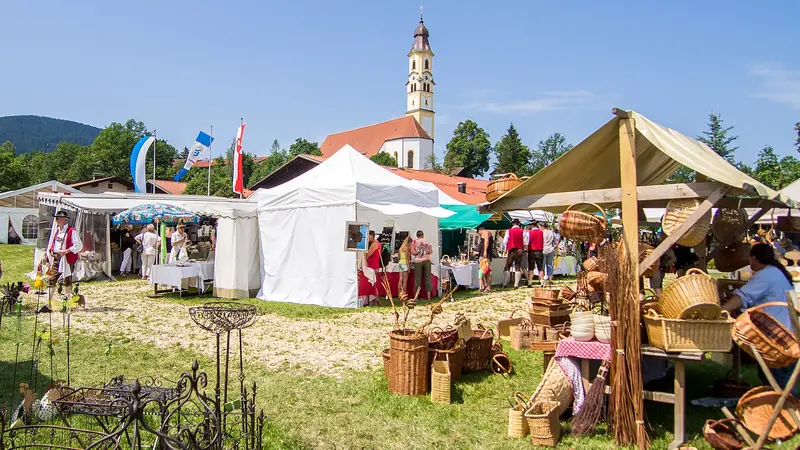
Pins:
<point x="776" y="345"/>
<point x="583" y="226"/>
<point x="677" y="212"/>
<point x="591" y="264"/>
<point x="721" y="434"/>
<point x="442" y="339"/>
<point x="597" y="281"/>
<point x="645" y="250"/>
<point x="755" y="408"/>
<point x="733" y="257"/>
<point x="500" y="186"/>
<point x="408" y="362"/>
<point x="726" y="222"/>
<point x="693" y="296"/>
<point x="478" y="350"/>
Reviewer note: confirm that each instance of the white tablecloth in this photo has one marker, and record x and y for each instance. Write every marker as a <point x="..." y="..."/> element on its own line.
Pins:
<point x="464" y="273"/>
<point x="190" y="275"/>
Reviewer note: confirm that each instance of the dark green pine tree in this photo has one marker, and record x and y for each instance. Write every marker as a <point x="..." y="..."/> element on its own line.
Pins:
<point x="512" y="154"/>
<point x="717" y="138"/>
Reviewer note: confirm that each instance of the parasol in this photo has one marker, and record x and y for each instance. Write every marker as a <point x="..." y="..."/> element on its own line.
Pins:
<point x="151" y="212"/>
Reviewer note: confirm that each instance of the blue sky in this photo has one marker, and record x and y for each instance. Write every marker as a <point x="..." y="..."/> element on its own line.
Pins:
<point x="307" y="69"/>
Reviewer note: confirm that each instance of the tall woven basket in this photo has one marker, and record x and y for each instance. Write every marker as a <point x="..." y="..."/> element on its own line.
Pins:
<point x="677" y="212"/>
<point x="408" y="362"/>
<point x="440" y="382"/>
<point x="478" y="351"/>
<point x="583" y="226"/>
<point x="500" y="186"/>
<point x="387" y="370"/>
<point x="543" y="423"/>
<point x="454" y="357"/>
<point x="517" y="424"/>
<point x="693" y="296"/>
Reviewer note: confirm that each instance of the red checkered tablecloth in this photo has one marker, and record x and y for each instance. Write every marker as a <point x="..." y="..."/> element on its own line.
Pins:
<point x="569" y="347"/>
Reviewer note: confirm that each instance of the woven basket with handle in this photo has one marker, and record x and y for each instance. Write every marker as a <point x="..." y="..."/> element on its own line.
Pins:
<point x="677" y="212"/>
<point x="504" y="325"/>
<point x="645" y="250"/>
<point x="547" y="292"/>
<point x="517" y="425"/>
<point x="678" y="335"/>
<point x="478" y="350"/>
<point x="733" y="257"/>
<point x="776" y="345"/>
<point x="523" y="335"/>
<point x="583" y="226"/>
<point x="722" y="435"/>
<point x="408" y="362"/>
<point x="693" y="296"/>
<point x="503" y="184"/>
<point x="543" y="423"/>
<point x="756" y="406"/>
<point x="454" y="357"/>
<point x="440" y="382"/>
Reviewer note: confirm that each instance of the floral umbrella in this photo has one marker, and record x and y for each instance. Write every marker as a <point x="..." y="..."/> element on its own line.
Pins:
<point x="144" y="214"/>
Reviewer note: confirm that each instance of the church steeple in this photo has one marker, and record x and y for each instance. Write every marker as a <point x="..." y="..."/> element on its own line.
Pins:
<point x="419" y="87"/>
<point x="421" y="35"/>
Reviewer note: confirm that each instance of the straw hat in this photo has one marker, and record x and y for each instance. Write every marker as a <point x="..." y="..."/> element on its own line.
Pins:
<point x="785" y="242"/>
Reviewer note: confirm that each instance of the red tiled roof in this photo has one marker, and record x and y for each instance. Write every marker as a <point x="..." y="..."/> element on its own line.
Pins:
<point x="476" y="189"/>
<point x="119" y="180"/>
<point x="369" y="140"/>
<point x="170" y="187"/>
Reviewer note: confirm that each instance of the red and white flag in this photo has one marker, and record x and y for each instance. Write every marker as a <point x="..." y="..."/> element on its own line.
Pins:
<point x="238" y="176"/>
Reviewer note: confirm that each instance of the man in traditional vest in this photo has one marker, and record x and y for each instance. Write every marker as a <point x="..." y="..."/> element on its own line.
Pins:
<point x="514" y="242"/>
<point x="535" y="254"/>
<point x="64" y="251"/>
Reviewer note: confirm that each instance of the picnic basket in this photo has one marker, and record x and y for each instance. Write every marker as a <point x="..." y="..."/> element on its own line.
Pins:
<point x="408" y="362"/>
<point x="543" y="424"/>
<point x="523" y="335"/>
<point x="776" y="345"/>
<point x="517" y="424"/>
<point x="733" y="257"/>
<point x="693" y="296"/>
<point x="681" y="335"/>
<point x="583" y="226"/>
<point x="755" y="408"/>
<point x="678" y="210"/>
<point x="554" y="385"/>
<point x="501" y="185"/>
<point x="440" y="382"/>
<point x="726" y="222"/>
<point x="721" y="434"/>
<point x="478" y="350"/>
<point x="454" y="357"/>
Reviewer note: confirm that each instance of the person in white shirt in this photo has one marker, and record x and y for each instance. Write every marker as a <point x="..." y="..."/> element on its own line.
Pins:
<point x="179" y="241"/>
<point x="549" y="249"/>
<point x="149" y="241"/>
<point x="63" y="253"/>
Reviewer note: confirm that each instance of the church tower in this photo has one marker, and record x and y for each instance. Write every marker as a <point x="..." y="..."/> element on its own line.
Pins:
<point x="419" y="87"/>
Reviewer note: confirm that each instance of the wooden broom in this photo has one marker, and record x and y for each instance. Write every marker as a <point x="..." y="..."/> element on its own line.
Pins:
<point x="594" y="407"/>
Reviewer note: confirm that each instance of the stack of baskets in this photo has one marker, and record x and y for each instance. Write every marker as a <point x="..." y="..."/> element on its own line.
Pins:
<point x="548" y="308"/>
<point x="688" y="317"/>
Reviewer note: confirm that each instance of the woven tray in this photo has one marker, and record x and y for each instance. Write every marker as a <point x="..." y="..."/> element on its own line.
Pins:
<point x="677" y="335"/>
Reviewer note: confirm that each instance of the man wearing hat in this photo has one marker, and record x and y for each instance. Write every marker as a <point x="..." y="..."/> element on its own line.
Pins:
<point x="514" y="241"/>
<point x="63" y="253"/>
<point x="785" y="245"/>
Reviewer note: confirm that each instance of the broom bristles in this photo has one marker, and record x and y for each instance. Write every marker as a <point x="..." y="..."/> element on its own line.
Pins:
<point x="594" y="407"/>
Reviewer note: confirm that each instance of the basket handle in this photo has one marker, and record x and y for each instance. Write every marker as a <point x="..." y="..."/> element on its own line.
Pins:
<point x="652" y="294"/>
<point x="511" y="316"/>
<point x="602" y="211"/>
<point x="765" y="305"/>
<point x="651" y="313"/>
<point x="485" y="330"/>
<point x="696" y="271"/>
<point x="521" y="399"/>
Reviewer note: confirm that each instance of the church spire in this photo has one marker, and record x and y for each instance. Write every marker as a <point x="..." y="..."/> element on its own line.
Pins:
<point x="421" y="35"/>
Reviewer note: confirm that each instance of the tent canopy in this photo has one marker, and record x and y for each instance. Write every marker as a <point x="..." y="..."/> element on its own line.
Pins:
<point x="114" y="202"/>
<point x="594" y="164"/>
<point x="26" y="197"/>
<point x="466" y="216"/>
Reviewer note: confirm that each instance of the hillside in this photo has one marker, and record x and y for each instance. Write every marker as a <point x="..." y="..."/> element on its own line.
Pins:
<point x="29" y="133"/>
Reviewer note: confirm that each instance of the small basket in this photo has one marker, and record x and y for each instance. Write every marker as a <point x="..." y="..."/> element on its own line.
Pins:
<point x="478" y="350"/>
<point x="567" y="293"/>
<point x="546" y="292"/>
<point x="523" y="335"/>
<point x="776" y="345"/>
<point x="500" y="186"/>
<point x="678" y="210"/>
<point x="440" y="382"/>
<point x="722" y="435"/>
<point x="549" y="316"/>
<point x="543" y="423"/>
<point x="517" y="424"/>
<point x="755" y="408"/>
<point x="591" y="264"/>
<point x="504" y="325"/>
<point x="726" y="222"/>
<point x="408" y="362"/>
<point x="677" y="335"/>
<point x="733" y="257"/>
<point x="442" y="339"/>
<point x="693" y="296"/>
<point x="597" y="281"/>
<point x="583" y="226"/>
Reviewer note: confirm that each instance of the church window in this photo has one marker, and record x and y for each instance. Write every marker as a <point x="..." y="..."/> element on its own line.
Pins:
<point x="413" y="65"/>
<point x="410" y="161"/>
<point x="395" y="158"/>
<point x="426" y="64"/>
<point x="426" y="103"/>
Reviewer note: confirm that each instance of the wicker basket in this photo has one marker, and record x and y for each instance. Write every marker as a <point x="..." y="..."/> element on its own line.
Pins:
<point x="583" y="226"/>
<point x="478" y="350"/>
<point x="722" y="435"/>
<point x="504" y="325"/>
<point x="517" y="425"/>
<point x="523" y="335"/>
<point x="567" y="293"/>
<point x="597" y="281"/>
<point x="591" y="264"/>
<point x="454" y="357"/>
<point x="386" y="366"/>
<point x="408" y="362"/>
<point x="550" y="316"/>
<point x="543" y="423"/>
<point x="693" y="296"/>
<point x="500" y="186"/>
<point x="554" y="385"/>
<point x="442" y="339"/>
<point x="677" y="212"/>
<point x="726" y="222"/>
<point x="776" y="345"/>
<point x="755" y="407"/>
<point x="440" y="382"/>
<point x="676" y="335"/>
<point x="645" y="250"/>
<point x="546" y="292"/>
<point x="733" y="257"/>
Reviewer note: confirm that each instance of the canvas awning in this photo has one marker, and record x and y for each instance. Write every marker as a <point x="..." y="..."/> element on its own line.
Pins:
<point x="595" y="164"/>
<point x="114" y="202"/>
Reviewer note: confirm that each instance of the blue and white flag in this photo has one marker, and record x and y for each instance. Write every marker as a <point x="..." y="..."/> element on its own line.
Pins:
<point x="138" y="159"/>
<point x="201" y="144"/>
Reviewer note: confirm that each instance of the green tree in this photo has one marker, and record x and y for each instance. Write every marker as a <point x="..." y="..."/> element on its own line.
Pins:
<point x="277" y="157"/>
<point x="548" y="151"/>
<point x="221" y="180"/>
<point x="304" y="147"/>
<point x="682" y="175"/>
<point x="797" y="141"/>
<point x="717" y="138"/>
<point x="13" y="173"/>
<point x="384" y="159"/>
<point x="469" y="148"/>
<point x="512" y="155"/>
<point x="773" y="172"/>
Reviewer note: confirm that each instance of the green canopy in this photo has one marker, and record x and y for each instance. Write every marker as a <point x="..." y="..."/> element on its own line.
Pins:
<point x="467" y="216"/>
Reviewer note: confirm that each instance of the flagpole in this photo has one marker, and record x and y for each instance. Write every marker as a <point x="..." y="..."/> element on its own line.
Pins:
<point x="208" y="188"/>
<point x="241" y="122"/>
<point x="155" y="142"/>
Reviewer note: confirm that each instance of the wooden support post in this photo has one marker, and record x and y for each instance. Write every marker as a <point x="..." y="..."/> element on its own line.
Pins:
<point x="630" y="206"/>
<point x="677" y="234"/>
<point x="742" y="431"/>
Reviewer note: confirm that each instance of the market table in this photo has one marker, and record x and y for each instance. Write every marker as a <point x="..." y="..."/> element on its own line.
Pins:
<point x="465" y="274"/>
<point x="392" y="272"/>
<point x="594" y="350"/>
<point x="190" y="274"/>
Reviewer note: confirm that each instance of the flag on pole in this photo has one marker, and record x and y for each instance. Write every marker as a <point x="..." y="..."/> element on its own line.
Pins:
<point x="199" y="147"/>
<point x="138" y="161"/>
<point x="238" y="176"/>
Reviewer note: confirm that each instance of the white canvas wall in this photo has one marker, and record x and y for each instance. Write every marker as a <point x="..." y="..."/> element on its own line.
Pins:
<point x="237" y="262"/>
<point x="16" y="216"/>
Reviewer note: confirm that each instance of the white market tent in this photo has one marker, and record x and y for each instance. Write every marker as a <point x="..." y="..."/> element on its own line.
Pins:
<point x="20" y="209"/>
<point x="303" y="221"/>
<point x="237" y="263"/>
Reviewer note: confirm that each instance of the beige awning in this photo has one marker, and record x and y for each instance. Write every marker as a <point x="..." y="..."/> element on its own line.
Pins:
<point x="660" y="151"/>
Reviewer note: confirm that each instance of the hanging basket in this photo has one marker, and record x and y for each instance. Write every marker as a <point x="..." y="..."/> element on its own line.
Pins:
<point x="646" y="250"/>
<point x="726" y="222"/>
<point x="478" y="350"/>
<point x="583" y="226"/>
<point x="733" y="257"/>
<point x="755" y="408"/>
<point x="408" y="362"/>
<point x="597" y="281"/>
<point x="500" y="186"/>
<point x="776" y="345"/>
<point x="677" y="212"/>
<point x="693" y="296"/>
<point x="591" y="264"/>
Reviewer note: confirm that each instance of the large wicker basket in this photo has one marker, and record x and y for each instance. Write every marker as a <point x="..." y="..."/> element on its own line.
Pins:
<point x="733" y="257"/>
<point x="543" y="423"/>
<point x="408" y="362"/>
<point x="500" y="186"/>
<point x="677" y="212"/>
<point x="478" y="351"/>
<point x="548" y="292"/>
<point x="583" y="226"/>
<point x="386" y="366"/>
<point x="776" y="345"/>
<point x="755" y="407"/>
<point x="676" y="335"/>
<point x="693" y="296"/>
<point x="726" y="222"/>
<point x="550" y="316"/>
<point x="645" y="250"/>
<point x="554" y="385"/>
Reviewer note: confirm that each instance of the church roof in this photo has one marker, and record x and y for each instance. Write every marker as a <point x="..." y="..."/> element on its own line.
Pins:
<point x="369" y="140"/>
<point x="421" y="35"/>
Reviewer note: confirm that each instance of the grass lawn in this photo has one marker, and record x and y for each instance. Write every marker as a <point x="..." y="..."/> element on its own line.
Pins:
<point x="16" y="260"/>
<point x="349" y="407"/>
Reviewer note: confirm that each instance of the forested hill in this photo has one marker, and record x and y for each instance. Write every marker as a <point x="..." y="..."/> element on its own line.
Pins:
<point x="29" y="133"/>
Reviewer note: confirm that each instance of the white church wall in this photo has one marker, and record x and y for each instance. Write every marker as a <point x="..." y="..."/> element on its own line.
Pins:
<point x="421" y="150"/>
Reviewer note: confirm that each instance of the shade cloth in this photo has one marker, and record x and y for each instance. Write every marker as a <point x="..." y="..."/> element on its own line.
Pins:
<point x="466" y="216"/>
